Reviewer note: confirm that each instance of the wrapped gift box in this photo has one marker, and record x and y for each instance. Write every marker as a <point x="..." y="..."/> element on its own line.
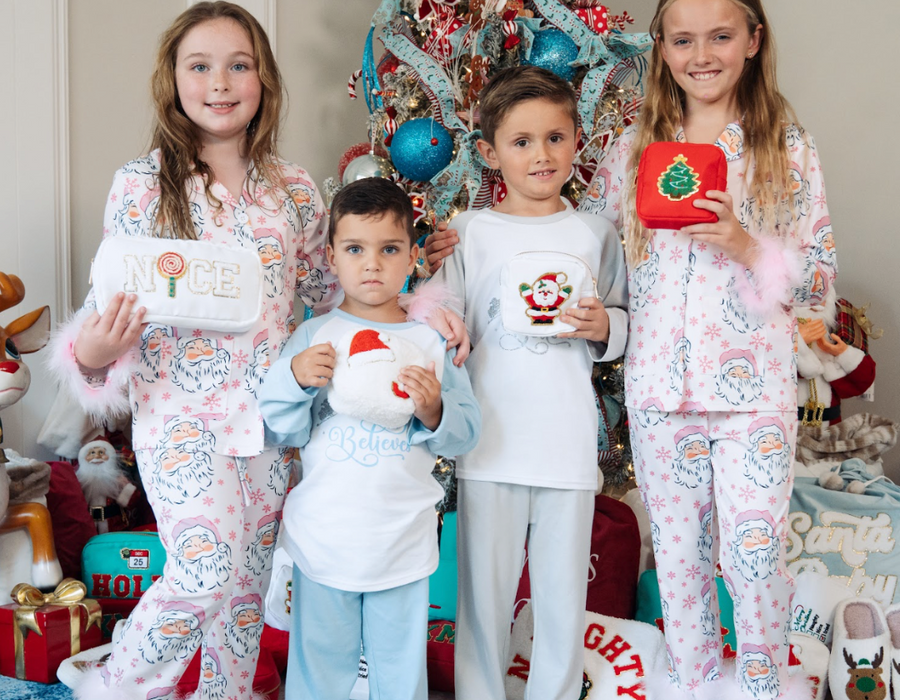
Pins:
<point x="39" y="631"/>
<point x="597" y="18"/>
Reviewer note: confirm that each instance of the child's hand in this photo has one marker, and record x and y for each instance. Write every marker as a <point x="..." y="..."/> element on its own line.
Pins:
<point x="439" y="245"/>
<point x="453" y="328"/>
<point x="834" y="349"/>
<point x="727" y="233"/>
<point x="590" y="319"/>
<point x="424" y="389"/>
<point x="314" y="366"/>
<point x="104" y="339"/>
<point x="812" y="330"/>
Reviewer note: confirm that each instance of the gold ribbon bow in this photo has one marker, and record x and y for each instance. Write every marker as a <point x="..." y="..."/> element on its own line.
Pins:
<point x="69" y="593"/>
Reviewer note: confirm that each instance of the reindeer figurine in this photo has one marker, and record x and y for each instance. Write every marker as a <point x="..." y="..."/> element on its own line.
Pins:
<point x="26" y="334"/>
<point x="865" y="683"/>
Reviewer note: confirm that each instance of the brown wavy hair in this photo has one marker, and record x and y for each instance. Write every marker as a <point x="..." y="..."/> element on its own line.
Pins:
<point x="765" y="116"/>
<point x="178" y="139"/>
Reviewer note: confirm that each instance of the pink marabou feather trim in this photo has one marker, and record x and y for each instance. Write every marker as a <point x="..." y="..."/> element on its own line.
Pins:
<point x="101" y="401"/>
<point x="775" y="272"/>
<point x="92" y="687"/>
<point x="726" y="687"/>
<point x="427" y="298"/>
<point x="658" y="685"/>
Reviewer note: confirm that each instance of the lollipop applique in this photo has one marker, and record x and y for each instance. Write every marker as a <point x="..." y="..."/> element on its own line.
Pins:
<point x="172" y="266"/>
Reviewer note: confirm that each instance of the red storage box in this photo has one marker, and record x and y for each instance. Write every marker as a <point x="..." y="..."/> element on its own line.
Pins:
<point x="672" y="176"/>
<point x="114" y="609"/>
<point x="439" y="654"/>
<point x="614" y="563"/>
<point x="39" y="631"/>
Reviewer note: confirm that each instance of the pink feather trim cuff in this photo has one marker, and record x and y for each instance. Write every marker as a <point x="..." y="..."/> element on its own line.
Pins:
<point x="102" y="400"/>
<point x="775" y="272"/>
<point x="427" y="298"/>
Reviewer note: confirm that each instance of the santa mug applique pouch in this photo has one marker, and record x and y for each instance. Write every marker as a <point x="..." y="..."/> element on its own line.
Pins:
<point x="672" y="176"/>
<point x="193" y="284"/>
<point x="536" y="287"/>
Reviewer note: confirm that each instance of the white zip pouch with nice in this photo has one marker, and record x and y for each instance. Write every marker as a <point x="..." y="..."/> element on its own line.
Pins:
<point x="536" y="287"/>
<point x="193" y="284"/>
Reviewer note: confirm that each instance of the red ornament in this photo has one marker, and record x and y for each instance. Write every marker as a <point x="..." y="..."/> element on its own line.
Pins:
<point x="434" y="141"/>
<point x="388" y="64"/>
<point x="355" y="151"/>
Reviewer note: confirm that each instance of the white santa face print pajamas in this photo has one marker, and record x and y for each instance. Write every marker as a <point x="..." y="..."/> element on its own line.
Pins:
<point x="218" y="518"/>
<point x="735" y="467"/>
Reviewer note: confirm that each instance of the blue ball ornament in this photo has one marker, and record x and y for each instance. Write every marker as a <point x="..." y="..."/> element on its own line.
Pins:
<point x="421" y="148"/>
<point x="554" y="50"/>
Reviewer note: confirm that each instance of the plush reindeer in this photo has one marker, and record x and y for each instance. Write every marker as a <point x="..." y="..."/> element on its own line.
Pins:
<point x="865" y="683"/>
<point x="28" y="333"/>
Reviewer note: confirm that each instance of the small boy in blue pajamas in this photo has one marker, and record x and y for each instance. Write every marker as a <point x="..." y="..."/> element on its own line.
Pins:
<point x="361" y="526"/>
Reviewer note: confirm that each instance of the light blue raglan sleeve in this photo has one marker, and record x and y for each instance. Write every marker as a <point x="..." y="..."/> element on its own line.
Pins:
<point x="286" y="407"/>
<point x="612" y="287"/>
<point x="460" y="425"/>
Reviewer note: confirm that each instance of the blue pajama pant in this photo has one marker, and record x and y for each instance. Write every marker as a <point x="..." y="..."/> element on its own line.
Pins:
<point x="327" y="625"/>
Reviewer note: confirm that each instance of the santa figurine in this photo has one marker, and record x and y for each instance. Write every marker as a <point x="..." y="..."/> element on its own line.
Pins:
<point x="365" y="384"/>
<point x="830" y="369"/>
<point x="107" y="489"/>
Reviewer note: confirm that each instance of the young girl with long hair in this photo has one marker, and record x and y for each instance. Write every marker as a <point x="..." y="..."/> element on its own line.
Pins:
<point x="213" y="177"/>
<point x="710" y="363"/>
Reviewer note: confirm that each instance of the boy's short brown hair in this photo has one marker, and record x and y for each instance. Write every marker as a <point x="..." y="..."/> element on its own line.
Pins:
<point x="511" y="86"/>
<point x="372" y="196"/>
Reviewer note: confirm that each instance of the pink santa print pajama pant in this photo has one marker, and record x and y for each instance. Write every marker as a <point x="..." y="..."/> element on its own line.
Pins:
<point x="218" y="518"/>
<point x="736" y="467"/>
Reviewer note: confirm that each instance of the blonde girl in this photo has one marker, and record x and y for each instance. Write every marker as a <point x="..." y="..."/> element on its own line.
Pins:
<point x="710" y="363"/>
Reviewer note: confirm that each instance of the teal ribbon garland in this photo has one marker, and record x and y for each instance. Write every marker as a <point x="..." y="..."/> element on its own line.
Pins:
<point x="431" y="74"/>
<point x="465" y="171"/>
<point x="608" y="50"/>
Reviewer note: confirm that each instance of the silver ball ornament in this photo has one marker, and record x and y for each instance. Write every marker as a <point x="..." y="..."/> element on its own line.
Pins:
<point x="367" y="165"/>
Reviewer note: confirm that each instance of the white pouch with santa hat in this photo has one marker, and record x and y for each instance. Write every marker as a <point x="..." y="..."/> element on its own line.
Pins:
<point x="537" y="286"/>
<point x="365" y="384"/>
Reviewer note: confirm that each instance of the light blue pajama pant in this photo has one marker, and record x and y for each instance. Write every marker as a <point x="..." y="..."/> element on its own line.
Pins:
<point x="327" y="625"/>
<point x="495" y="520"/>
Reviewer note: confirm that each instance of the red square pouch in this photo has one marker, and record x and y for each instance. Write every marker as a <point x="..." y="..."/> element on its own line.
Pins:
<point x="671" y="176"/>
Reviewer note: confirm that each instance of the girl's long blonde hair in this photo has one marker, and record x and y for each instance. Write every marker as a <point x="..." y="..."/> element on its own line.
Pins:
<point x="765" y="116"/>
<point x="178" y="139"/>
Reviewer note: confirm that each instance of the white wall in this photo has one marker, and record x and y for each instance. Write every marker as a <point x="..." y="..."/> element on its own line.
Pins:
<point x="836" y="73"/>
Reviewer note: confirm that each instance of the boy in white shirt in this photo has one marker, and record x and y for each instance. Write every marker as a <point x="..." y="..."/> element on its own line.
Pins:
<point x="545" y="296"/>
<point x="361" y="526"/>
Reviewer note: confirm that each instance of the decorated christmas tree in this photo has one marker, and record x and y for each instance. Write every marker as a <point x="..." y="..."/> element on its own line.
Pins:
<point x="422" y="94"/>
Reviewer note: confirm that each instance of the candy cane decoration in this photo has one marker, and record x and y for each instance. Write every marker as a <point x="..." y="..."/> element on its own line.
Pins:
<point x="619" y="21"/>
<point x="351" y="84"/>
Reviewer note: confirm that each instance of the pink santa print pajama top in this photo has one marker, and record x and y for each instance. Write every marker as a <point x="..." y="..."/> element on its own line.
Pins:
<point x="216" y="488"/>
<point x="711" y="385"/>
